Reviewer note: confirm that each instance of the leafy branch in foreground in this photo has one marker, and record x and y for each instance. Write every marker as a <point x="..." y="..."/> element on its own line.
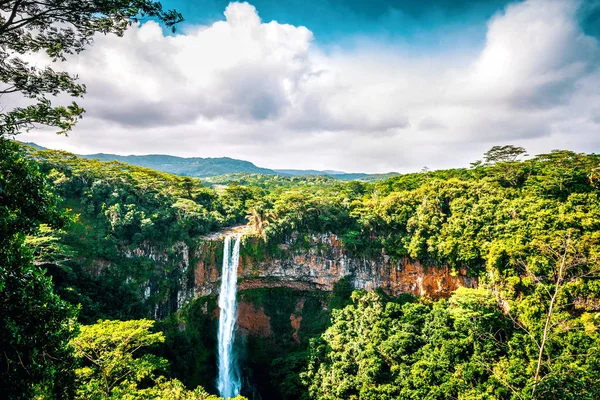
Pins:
<point x="58" y="28"/>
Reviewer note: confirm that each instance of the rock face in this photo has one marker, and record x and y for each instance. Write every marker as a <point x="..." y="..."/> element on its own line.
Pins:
<point x="320" y="264"/>
<point x="162" y="274"/>
<point x="283" y="299"/>
<point x="253" y="321"/>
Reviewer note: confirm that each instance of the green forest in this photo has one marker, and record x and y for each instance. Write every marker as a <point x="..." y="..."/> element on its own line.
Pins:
<point x="529" y="230"/>
<point x="98" y="258"/>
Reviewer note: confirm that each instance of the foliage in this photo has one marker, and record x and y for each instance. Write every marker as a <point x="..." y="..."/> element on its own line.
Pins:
<point x="462" y="348"/>
<point x="448" y="217"/>
<point x="190" y="343"/>
<point x="528" y="230"/>
<point x="134" y="231"/>
<point x="113" y="368"/>
<point x="35" y="324"/>
<point x="268" y="181"/>
<point x="108" y="351"/>
<point x="499" y="154"/>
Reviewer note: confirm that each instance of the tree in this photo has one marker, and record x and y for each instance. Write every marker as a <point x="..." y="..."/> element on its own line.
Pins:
<point x="114" y="364"/>
<point x="384" y="350"/>
<point x="564" y="172"/>
<point x="561" y="267"/>
<point x="563" y="261"/>
<point x="35" y="324"/>
<point x="108" y="350"/>
<point x="58" y="28"/>
<point x="546" y="276"/>
<point x="508" y="153"/>
<point x="504" y="163"/>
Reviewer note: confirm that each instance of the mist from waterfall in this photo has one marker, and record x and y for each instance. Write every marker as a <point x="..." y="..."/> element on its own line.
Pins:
<point x="229" y="380"/>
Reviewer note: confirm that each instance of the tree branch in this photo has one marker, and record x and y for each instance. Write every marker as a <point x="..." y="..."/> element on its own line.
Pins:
<point x="12" y="16"/>
<point x="559" y="279"/>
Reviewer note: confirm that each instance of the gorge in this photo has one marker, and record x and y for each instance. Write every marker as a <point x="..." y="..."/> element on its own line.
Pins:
<point x="319" y="261"/>
<point x="285" y="294"/>
<point x="436" y="258"/>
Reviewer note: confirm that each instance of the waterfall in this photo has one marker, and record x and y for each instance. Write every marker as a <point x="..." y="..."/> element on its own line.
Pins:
<point x="229" y="381"/>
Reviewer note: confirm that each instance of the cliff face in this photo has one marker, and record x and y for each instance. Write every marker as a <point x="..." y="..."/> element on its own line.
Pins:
<point x="320" y="264"/>
<point x="306" y="264"/>
<point x="285" y="299"/>
<point x="161" y="275"/>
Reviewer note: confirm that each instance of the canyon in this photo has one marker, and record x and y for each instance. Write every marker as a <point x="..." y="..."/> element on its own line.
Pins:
<point x="315" y="267"/>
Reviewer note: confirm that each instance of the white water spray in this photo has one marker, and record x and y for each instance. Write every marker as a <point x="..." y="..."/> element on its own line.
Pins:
<point x="229" y="381"/>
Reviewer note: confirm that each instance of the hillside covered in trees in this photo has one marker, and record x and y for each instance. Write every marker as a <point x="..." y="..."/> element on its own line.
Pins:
<point x="527" y="229"/>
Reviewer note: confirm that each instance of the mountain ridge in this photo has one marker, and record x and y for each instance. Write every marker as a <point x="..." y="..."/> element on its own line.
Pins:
<point x="204" y="167"/>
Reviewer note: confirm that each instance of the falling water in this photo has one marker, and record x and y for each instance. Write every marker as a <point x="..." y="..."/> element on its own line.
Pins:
<point x="228" y="382"/>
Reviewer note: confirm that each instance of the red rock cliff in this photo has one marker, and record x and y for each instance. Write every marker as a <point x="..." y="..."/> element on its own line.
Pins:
<point x="324" y="263"/>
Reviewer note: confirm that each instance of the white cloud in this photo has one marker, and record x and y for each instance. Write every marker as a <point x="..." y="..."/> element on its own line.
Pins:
<point x="267" y="93"/>
<point x="534" y="55"/>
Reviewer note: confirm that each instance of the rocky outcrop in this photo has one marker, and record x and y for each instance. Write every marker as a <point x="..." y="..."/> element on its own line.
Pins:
<point x="296" y="319"/>
<point x="252" y="320"/>
<point x="320" y="264"/>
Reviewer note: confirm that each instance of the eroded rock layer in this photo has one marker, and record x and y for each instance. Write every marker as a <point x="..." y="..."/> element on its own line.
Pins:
<point x="320" y="263"/>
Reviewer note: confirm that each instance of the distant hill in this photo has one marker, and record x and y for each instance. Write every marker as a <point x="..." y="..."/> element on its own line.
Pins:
<point x="310" y="172"/>
<point x="298" y="172"/>
<point x="35" y="146"/>
<point x="208" y="167"/>
<point x="379" y="177"/>
<point x="196" y="167"/>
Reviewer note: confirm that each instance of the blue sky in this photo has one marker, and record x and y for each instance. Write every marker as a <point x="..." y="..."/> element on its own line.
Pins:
<point x="419" y="23"/>
<point x="332" y="21"/>
<point x="350" y="85"/>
